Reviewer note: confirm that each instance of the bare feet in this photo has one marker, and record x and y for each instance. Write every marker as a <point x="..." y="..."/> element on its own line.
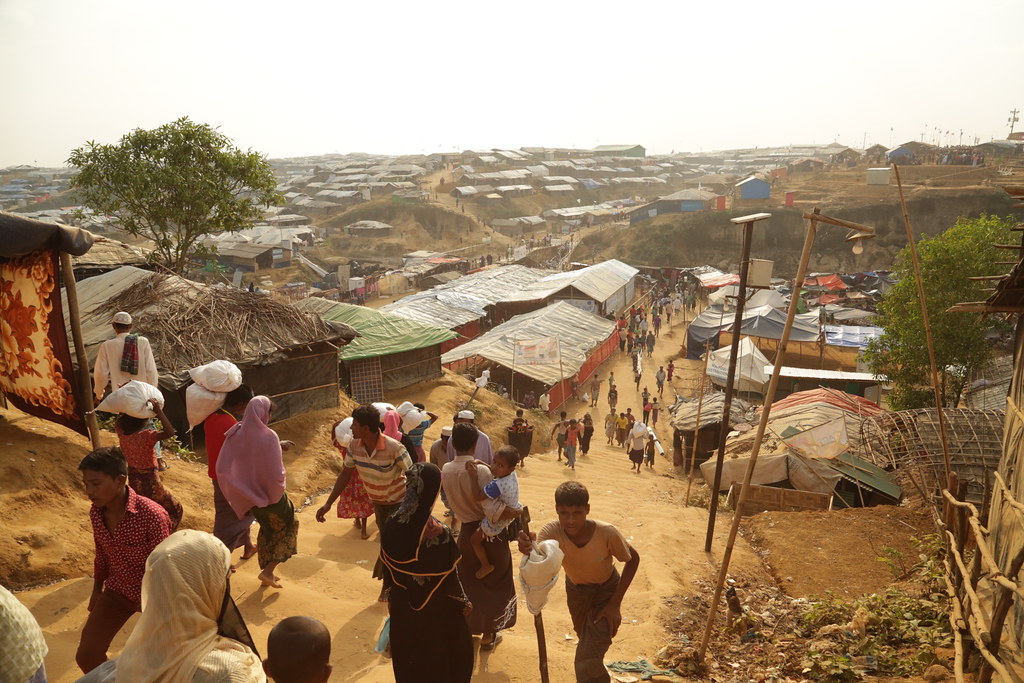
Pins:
<point x="269" y="580"/>
<point x="249" y="552"/>
<point x="484" y="571"/>
<point x="355" y="522"/>
<point x="363" y="534"/>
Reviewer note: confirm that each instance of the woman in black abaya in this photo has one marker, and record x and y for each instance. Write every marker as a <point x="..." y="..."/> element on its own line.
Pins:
<point x="430" y="639"/>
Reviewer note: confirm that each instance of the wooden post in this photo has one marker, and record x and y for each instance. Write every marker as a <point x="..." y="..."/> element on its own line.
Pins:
<point x="936" y="385"/>
<point x="84" y="376"/>
<point x="696" y="428"/>
<point x="538" y="619"/>
<point x="769" y="398"/>
<point x="748" y="234"/>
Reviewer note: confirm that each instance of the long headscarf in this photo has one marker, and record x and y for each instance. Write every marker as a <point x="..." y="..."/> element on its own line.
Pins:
<point x="418" y="551"/>
<point x="250" y="469"/>
<point x="392" y="421"/>
<point x="184" y="599"/>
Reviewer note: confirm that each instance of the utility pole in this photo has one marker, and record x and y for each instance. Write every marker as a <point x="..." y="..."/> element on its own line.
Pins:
<point x="1013" y="119"/>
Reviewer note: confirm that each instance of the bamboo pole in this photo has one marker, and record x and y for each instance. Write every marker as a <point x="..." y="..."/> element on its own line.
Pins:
<point x="936" y="386"/>
<point x="84" y="376"/>
<point x="769" y="397"/>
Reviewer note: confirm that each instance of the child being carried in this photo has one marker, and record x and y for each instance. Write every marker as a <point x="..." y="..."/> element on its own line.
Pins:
<point x="501" y="492"/>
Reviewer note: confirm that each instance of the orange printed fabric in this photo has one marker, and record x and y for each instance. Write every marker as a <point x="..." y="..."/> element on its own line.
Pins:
<point x="36" y="374"/>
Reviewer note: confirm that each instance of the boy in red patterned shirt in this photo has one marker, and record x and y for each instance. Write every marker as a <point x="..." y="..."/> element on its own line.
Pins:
<point x="126" y="527"/>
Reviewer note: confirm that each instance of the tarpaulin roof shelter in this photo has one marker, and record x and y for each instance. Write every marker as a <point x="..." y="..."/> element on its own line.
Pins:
<point x="578" y="332"/>
<point x="851" y="335"/>
<point x="805" y="474"/>
<point x="286" y="354"/>
<point x="713" y="280"/>
<point x="755" y="298"/>
<point x="21" y="235"/>
<point x="750" y="364"/>
<point x="909" y="441"/>
<point x="827" y="282"/>
<point x="391" y="352"/>
<point x="465" y="299"/>
<point x="106" y="254"/>
<point x="380" y="333"/>
<point x="684" y="414"/>
<point x="599" y="282"/>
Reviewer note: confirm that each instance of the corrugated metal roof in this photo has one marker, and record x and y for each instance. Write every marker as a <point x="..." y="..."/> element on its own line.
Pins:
<point x="578" y="333"/>
<point x="380" y="334"/>
<point x="599" y="282"/>
<point x="866" y="474"/>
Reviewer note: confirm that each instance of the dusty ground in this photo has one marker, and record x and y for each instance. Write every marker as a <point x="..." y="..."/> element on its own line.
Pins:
<point x="48" y="540"/>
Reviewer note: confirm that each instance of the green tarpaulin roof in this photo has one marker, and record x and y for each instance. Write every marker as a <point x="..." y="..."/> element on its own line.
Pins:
<point x="380" y="334"/>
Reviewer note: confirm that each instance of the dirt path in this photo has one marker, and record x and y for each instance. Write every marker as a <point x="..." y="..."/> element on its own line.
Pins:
<point x="330" y="578"/>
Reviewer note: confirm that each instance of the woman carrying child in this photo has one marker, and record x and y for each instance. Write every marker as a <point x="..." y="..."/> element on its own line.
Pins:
<point x="139" y="447"/>
<point x="503" y="489"/>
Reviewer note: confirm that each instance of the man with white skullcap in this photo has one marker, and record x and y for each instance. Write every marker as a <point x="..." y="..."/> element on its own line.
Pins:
<point x="125" y="357"/>
<point x="483" y="444"/>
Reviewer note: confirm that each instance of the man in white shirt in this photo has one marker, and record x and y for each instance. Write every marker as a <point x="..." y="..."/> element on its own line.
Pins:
<point x="483" y="443"/>
<point x="493" y="596"/>
<point x="120" y="360"/>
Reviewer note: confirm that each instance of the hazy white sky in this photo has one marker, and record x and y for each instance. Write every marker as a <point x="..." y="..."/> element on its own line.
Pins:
<point x="311" y="77"/>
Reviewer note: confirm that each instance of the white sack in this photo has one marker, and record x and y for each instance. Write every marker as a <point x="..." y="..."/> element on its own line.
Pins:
<point x="404" y="408"/>
<point x="343" y="432"/>
<point x="132" y="399"/>
<point x="201" y="403"/>
<point x="538" y="573"/>
<point x="382" y="408"/>
<point x="483" y="379"/>
<point x="219" y="375"/>
<point x="411" y="420"/>
<point x="638" y="429"/>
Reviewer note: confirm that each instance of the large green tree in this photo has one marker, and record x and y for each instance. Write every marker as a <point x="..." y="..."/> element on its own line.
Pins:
<point x="173" y="184"/>
<point x="900" y="355"/>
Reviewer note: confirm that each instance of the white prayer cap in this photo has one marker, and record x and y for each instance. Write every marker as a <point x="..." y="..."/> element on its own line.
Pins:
<point x="466" y="415"/>
<point x="122" y="318"/>
<point x="446" y="430"/>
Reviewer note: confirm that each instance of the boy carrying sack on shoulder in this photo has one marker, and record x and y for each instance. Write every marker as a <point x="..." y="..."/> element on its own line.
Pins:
<point x="593" y="587"/>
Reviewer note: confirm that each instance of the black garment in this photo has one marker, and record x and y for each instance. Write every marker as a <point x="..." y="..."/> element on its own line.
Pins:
<point x="430" y="639"/>
<point x="588" y="432"/>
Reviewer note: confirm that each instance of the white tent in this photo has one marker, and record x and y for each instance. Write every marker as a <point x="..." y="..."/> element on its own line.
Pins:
<point x="750" y="374"/>
<point x="760" y="297"/>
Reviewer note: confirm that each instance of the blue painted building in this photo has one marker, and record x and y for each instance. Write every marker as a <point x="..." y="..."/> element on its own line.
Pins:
<point x="754" y="188"/>
<point x="684" y="201"/>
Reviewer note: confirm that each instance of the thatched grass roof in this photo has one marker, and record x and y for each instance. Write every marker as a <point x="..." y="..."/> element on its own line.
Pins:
<point x="189" y="323"/>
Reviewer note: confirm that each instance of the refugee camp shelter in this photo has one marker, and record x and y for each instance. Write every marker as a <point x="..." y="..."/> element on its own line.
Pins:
<point x="391" y="352"/>
<point x="750" y="367"/>
<point x="253" y="257"/>
<point x="636" y="151"/>
<point x="584" y="341"/>
<point x="683" y="419"/>
<point x="107" y="254"/>
<point x="899" y="154"/>
<point x="464" y="305"/>
<point x="754" y="188"/>
<point x="283" y="353"/>
<point x="601" y="289"/>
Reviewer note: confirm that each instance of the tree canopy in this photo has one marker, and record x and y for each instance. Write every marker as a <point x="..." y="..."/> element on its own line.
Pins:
<point x="900" y="355"/>
<point x="173" y="184"/>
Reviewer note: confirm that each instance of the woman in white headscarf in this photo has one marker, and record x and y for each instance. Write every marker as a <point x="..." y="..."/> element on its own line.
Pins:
<point x="190" y="630"/>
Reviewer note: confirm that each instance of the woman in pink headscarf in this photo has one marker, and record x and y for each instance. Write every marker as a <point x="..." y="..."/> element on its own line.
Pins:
<point x="250" y="471"/>
<point x="392" y="422"/>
